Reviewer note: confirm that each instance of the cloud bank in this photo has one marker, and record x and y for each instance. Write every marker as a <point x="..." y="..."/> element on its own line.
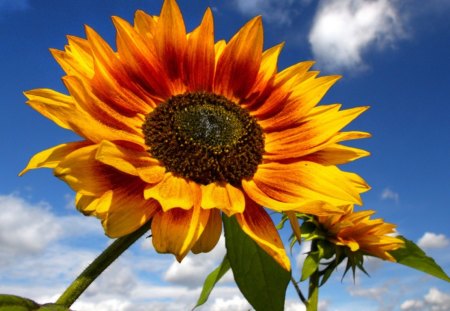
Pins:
<point x="343" y="30"/>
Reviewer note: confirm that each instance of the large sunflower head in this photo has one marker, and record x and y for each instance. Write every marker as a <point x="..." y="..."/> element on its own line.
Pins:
<point x="360" y="234"/>
<point x="177" y="128"/>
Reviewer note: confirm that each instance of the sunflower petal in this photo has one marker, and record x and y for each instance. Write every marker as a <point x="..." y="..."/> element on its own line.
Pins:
<point x="173" y="192"/>
<point x="307" y="206"/>
<point x="200" y="59"/>
<point x="170" y="41"/>
<point x="50" y="158"/>
<point x="257" y="224"/>
<point x="126" y="210"/>
<point x="211" y="234"/>
<point x="238" y="65"/>
<point x="224" y="197"/>
<point x="177" y="230"/>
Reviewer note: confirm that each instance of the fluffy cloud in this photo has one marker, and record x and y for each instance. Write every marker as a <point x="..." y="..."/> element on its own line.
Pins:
<point x="344" y="29"/>
<point x="434" y="300"/>
<point x="433" y="240"/>
<point x="280" y="12"/>
<point x="389" y="194"/>
<point x="20" y="232"/>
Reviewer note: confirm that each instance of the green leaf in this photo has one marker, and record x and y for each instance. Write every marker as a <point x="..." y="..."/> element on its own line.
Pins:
<point x="16" y="303"/>
<point x="259" y="277"/>
<point x="211" y="281"/>
<point x="310" y="265"/>
<point x="414" y="257"/>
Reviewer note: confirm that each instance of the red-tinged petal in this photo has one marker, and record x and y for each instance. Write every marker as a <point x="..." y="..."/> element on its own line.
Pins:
<point x="224" y="197"/>
<point x="239" y="63"/>
<point x="101" y="111"/>
<point x="111" y="82"/>
<point x="200" y="56"/>
<point x="302" y="99"/>
<point x="211" y="234"/>
<point x="139" y="57"/>
<point x="130" y="161"/>
<point x="173" y="192"/>
<point x="170" y="43"/>
<point x="336" y="154"/>
<point x="177" y="230"/>
<point x="312" y="135"/>
<point x="65" y="112"/>
<point x="50" y="158"/>
<point x="84" y="174"/>
<point x="295" y="182"/>
<point x="258" y="225"/>
<point x="313" y="207"/>
<point x="126" y="210"/>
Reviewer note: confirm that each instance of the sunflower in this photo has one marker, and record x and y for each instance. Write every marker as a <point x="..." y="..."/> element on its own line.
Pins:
<point x="359" y="233"/>
<point x="177" y="128"/>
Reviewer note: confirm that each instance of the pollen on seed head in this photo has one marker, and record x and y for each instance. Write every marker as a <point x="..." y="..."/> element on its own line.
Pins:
<point x="205" y="137"/>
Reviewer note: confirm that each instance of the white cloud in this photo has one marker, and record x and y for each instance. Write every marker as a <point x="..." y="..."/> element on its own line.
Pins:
<point x="434" y="300"/>
<point x="389" y="194"/>
<point x="344" y="29"/>
<point x="20" y="232"/>
<point x="411" y="305"/>
<point x="281" y="12"/>
<point x="433" y="240"/>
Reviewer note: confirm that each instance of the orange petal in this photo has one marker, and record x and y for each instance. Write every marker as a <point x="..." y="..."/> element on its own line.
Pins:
<point x="210" y="235"/>
<point x="224" y="197"/>
<point x="238" y="65"/>
<point x="173" y="192"/>
<point x="303" y="97"/>
<point x="140" y="58"/>
<point x="65" y="112"/>
<point x="144" y="24"/>
<point x="257" y="224"/>
<point x="170" y="41"/>
<point x="200" y="59"/>
<point x="84" y="174"/>
<point x="130" y="161"/>
<point x="307" y="206"/>
<point x="51" y="157"/>
<point x="177" y="230"/>
<point x="310" y="136"/>
<point x="112" y="82"/>
<point x="126" y="210"/>
<point x="308" y="181"/>
<point x="336" y="154"/>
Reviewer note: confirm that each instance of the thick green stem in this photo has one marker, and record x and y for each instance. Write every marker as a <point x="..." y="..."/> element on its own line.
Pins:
<point x="313" y="289"/>
<point x="107" y="257"/>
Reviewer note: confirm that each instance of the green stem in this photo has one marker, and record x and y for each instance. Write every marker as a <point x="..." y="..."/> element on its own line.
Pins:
<point x="107" y="257"/>
<point x="313" y="289"/>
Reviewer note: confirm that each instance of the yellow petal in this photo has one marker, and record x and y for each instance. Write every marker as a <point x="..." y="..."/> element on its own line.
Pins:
<point x="51" y="157"/>
<point x="306" y="206"/>
<point x="211" y="234"/>
<point x="257" y="224"/>
<point x="130" y="161"/>
<point x="173" y="192"/>
<point x="177" y="230"/>
<point x="126" y="210"/>
<point x="224" y="197"/>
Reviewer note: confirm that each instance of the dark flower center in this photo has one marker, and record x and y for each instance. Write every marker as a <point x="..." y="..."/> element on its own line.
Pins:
<point x="205" y="138"/>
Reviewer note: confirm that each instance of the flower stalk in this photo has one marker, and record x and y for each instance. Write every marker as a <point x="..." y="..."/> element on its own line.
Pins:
<point x="313" y="288"/>
<point x="103" y="261"/>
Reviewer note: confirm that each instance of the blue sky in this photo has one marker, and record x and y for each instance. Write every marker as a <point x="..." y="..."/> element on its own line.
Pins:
<point x="394" y="56"/>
